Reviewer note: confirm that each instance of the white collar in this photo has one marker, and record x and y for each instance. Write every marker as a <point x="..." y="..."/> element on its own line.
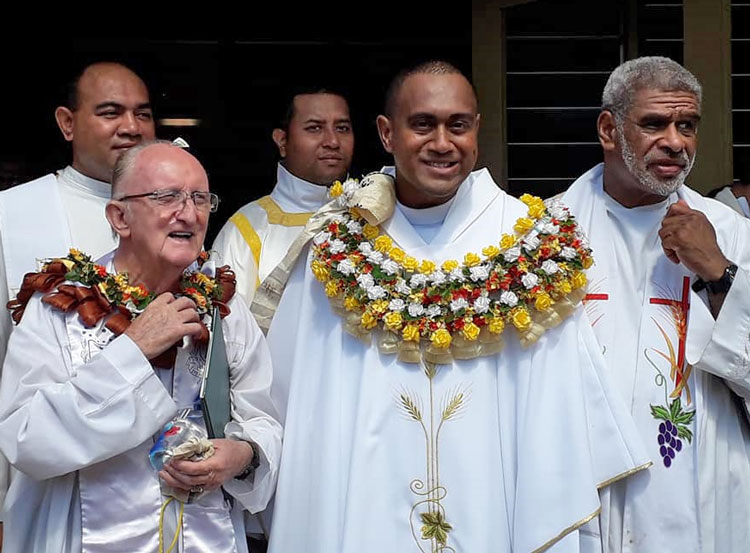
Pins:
<point x="295" y="195"/>
<point x="75" y="179"/>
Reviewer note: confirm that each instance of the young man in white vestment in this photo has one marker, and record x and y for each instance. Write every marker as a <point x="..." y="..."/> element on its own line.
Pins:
<point x="84" y="400"/>
<point x="669" y="302"/>
<point x="107" y="110"/>
<point x="316" y="143"/>
<point x="498" y="452"/>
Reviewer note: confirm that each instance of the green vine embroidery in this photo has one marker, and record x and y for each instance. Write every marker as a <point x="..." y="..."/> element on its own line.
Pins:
<point x="434" y="525"/>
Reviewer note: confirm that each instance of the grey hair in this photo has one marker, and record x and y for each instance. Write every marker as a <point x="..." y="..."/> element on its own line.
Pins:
<point x="654" y="72"/>
<point x="127" y="159"/>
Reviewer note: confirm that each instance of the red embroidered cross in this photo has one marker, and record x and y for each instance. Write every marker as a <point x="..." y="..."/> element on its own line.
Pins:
<point x="684" y="305"/>
<point x="602" y="297"/>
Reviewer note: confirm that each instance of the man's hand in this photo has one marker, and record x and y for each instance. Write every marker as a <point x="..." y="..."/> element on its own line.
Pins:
<point x="688" y="237"/>
<point x="165" y="321"/>
<point x="228" y="460"/>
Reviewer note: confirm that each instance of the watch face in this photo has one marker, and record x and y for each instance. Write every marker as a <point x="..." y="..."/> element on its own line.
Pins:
<point x="723" y="285"/>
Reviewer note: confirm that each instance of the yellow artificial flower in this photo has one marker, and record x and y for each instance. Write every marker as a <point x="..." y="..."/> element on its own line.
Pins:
<point x="351" y="303"/>
<point x="121" y="280"/>
<point x="543" y="302"/>
<point x="76" y="254"/>
<point x="427" y="267"/>
<point x="441" y="338"/>
<point x="536" y="210"/>
<point x="68" y="264"/>
<point x="379" y="306"/>
<point x="470" y="331"/>
<point x="471" y="259"/>
<point x="383" y="243"/>
<point x="200" y="301"/>
<point x="564" y="267"/>
<point x="370" y="231"/>
<point x="563" y="287"/>
<point x="491" y="252"/>
<point x="520" y="318"/>
<point x="449" y="265"/>
<point x="523" y="225"/>
<point x="530" y="200"/>
<point x="336" y="189"/>
<point x="397" y="254"/>
<point x="497" y="325"/>
<point x="103" y="287"/>
<point x="393" y="320"/>
<point x="368" y="320"/>
<point x="507" y="241"/>
<point x="411" y="333"/>
<point x="332" y="289"/>
<point x="587" y="261"/>
<point x="410" y="263"/>
<point x="320" y="270"/>
<point x="578" y="280"/>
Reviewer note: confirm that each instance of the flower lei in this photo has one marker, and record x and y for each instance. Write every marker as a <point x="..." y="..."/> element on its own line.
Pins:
<point x="118" y="291"/>
<point x="530" y="280"/>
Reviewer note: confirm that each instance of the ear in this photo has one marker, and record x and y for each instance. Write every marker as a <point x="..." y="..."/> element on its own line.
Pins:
<point x="607" y="130"/>
<point x="385" y="131"/>
<point x="279" y="137"/>
<point x="64" y="118"/>
<point x="117" y="217"/>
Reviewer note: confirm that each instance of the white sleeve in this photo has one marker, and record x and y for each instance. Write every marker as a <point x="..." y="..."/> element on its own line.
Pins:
<point x="6" y="327"/>
<point x="54" y="418"/>
<point x="234" y="251"/>
<point x="254" y="416"/>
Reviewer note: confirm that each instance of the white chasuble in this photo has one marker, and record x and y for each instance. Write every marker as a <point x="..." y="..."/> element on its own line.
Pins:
<point x="647" y="321"/>
<point x="493" y="454"/>
<point x="82" y="409"/>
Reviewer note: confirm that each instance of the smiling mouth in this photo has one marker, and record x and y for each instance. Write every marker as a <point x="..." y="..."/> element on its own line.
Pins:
<point x="181" y="235"/>
<point x="440" y="164"/>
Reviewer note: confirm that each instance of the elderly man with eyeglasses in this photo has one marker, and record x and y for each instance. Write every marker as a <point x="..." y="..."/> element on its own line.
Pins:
<point x="105" y="354"/>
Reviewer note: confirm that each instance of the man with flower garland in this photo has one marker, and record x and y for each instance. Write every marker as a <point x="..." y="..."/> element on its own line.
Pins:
<point x="423" y="433"/>
<point x="99" y="364"/>
<point x="106" y="111"/>
<point x="316" y="143"/>
<point x="669" y="306"/>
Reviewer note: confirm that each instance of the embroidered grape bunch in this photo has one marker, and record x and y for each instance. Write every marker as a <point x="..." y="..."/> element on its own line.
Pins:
<point x="672" y="430"/>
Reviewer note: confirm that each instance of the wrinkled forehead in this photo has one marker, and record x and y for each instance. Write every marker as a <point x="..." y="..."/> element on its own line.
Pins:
<point x="164" y="168"/>
<point x="666" y="102"/>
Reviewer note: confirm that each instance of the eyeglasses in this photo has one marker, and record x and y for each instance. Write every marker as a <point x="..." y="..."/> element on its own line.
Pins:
<point x="176" y="199"/>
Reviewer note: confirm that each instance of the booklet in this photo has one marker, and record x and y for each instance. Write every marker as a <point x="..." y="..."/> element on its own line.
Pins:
<point x="214" y="393"/>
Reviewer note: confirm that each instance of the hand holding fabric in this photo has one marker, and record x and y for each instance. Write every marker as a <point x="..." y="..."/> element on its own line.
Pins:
<point x="229" y="459"/>
<point x="688" y="237"/>
<point x="165" y="321"/>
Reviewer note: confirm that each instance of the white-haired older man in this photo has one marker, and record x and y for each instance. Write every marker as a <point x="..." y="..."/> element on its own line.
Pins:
<point x="670" y="307"/>
<point x="99" y="364"/>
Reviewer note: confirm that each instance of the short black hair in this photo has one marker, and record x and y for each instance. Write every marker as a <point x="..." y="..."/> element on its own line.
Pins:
<point x="431" y="67"/>
<point x="70" y="97"/>
<point x="287" y="111"/>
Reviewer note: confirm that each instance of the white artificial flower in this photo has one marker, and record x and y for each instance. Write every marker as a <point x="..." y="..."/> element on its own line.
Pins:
<point x="376" y="292"/>
<point x="458" y="304"/>
<point x="456" y="275"/>
<point x="338" y="218"/>
<point x="345" y="267"/>
<point x="375" y="257"/>
<point x="402" y="288"/>
<point x="509" y="298"/>
<point x="551" y="228"/>
<point x="531" y="242"/>
<point x="511" y="254"/>
<point x="389" y="266"/>
<point x="437" y="278"/>
<point x="415" y="309"/>
<point x="350" y="185"/>
<point x="364" y="247"/>
<point x="418" y="280"/>
<point x="568" y="253"/>
<point x="529" y="280"/>
<point x="479" y="272"/>
<point x="354" y="227"/>
<point x="342" y="202"/>
<point x="550" y="267"/>
<point x="337" y="246"/>
<point x="397" y="304"/>
<point x="558" y="210"/>
<point x="482" y="304"/>
<point x="321" y="237"/>
<point x="433" y="310"/>
<point x="365" y="281"/>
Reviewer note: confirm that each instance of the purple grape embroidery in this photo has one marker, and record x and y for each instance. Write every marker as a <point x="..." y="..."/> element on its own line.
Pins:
<point x="673" y="429"/>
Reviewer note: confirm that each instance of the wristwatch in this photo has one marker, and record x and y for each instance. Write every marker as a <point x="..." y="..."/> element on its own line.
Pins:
<point x="720" y="286"/>
<point x="249" y="469"/>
